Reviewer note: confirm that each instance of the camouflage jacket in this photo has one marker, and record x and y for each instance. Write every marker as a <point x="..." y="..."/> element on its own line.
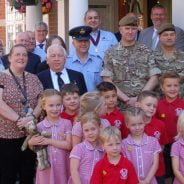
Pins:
<point x="130" y="67"/>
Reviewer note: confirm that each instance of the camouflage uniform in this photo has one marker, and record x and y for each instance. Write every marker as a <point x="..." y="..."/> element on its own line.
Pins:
<point x="175" y="63"/>
<point x="130" y="67"/>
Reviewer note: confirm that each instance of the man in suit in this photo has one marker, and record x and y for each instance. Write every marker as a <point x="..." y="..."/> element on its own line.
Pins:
<point x="149" y="36"/>
<point x="33" y="59"/>
<point x="57" y="75"/>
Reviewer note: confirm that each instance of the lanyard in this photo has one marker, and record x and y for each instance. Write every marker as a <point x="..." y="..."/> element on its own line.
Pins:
<point x="22" y="90"/>
<point x="95" y="42"/>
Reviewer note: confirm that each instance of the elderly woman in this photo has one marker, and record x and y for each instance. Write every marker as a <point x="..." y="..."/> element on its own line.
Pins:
<point x="19" y="92"/>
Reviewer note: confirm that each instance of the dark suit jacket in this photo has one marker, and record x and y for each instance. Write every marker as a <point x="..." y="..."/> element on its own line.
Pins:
<point x="42" y="66"/>
<point x="32" y="64"/>
<point x="74" y="76"/>
<point x="146" y="35"/>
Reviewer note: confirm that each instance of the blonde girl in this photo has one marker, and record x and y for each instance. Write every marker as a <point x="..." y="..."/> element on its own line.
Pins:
<point x="60" y="141"/>
<point x="177" y="152"/>
<point x="89" y="102"/>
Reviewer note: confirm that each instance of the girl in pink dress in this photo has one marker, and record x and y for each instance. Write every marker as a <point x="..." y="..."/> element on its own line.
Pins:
<point x="142" y="150"/>
<point x="60" y="131"/>
<point x="177" y="152"/>
<point x="85" y="155"/>
<point x="89" y="102"/>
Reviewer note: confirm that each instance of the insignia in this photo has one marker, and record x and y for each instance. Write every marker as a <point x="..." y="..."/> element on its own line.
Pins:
<point x="162" y="115"/>
<point x="82" y="31"/>
<point x="123" y="173"/>
<point x="104" y="172"/>
<point x="129" y="148"/>
<point x="62" y="134"/>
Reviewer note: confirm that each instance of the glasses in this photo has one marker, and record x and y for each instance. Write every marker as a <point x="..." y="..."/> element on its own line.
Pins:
<point x="40" y="31"/>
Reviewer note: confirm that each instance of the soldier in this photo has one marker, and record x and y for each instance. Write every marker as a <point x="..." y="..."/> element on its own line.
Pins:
<point x="130" y="65"/>
<point x="169" y="58"/>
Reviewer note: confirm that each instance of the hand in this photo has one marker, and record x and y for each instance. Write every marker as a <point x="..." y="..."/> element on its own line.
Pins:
<point x="132" y="101"/>
<point x="23" y="121"/>
<point x="46" y="141"/>
<point x="36" y="140"/>
<point x="143" y="182"/>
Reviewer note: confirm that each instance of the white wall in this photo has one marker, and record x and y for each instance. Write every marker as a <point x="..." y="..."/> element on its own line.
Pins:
<point x="178" y="13"/>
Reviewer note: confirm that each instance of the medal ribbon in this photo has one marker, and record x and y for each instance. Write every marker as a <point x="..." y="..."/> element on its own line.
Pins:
<point x="95" y="42"/>
<point x="22" y="90"/>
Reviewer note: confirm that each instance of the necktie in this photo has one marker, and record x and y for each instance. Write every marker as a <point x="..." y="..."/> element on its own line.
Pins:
<point x="154" y="41"/>
<point x="60" y="80"/>
<point x="41" y="45"/>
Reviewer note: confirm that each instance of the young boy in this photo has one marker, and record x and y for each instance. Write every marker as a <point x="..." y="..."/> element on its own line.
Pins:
<point x="168" y="110"/>
<point x="70" y="99"/>
<point x="147" y="101"/>
<point x="113" y="168"/>
<point x="113" y="115"/>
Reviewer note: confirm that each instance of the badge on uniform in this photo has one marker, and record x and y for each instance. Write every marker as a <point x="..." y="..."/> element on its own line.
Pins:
<point x="129" y="148"/>
<point x="104" y="172"/>
<point x="162" y="115"/>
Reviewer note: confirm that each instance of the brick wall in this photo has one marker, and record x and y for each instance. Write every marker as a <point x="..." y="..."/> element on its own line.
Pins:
<point x="2" y="22"/>
<point x="53" y="20"/>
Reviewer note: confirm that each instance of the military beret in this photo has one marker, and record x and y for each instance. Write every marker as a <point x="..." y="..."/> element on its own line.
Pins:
<point x="128" y="20"/>
<point x="80" y="32"/>
<point x="166" y="27"/>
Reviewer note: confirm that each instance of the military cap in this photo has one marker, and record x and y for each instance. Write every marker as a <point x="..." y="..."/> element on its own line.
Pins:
<point x="80" y="32"/>
<point x="128" y="20"/>
<point x="166" y="27"/>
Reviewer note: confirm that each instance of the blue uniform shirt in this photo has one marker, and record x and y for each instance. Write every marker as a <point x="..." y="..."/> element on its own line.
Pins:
<point x="91" y="69"/>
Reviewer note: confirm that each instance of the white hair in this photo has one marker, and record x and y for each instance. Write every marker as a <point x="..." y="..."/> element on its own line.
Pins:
<point x="53" y="46"/>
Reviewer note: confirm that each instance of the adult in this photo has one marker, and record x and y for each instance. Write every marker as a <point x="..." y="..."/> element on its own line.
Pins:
<point x="130" y="65"/>
<point x="54" y="39"/>
<point x="32" y="46"/>
<point x="169" y="58"/>
<point x="118" y="34"/>
<point x="82" y="61"/>
<point x="100" y="40"/>
<point x="57" y="75"/>
<point x="33" y="59"/>
<point x="149" y="36"/>
<point x="19" y="92"/>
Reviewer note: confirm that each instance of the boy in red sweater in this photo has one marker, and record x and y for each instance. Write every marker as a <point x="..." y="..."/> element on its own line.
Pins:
<point x="147" y="101"/>
<point x="168" y="110"/>
<point x="113" y="115"/>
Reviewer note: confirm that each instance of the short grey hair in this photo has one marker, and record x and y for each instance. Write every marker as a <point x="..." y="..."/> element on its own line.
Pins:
<point x="56" y="46"/>
<point x="41" y="24"/>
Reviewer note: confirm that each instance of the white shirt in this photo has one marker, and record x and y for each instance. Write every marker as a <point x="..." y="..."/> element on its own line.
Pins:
<point x="64" y="77"/>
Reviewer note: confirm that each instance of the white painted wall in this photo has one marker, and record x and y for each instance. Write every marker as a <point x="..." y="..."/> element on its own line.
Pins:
<point x="178" y="13"/>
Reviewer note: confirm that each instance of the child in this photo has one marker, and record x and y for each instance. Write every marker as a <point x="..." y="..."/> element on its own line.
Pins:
<point x="70" y="95"/>
<point x="177" y="152"/>
<point x="168" y="110"/>
<point x="85" y="155"/>
<point x="113" y="168"/>
<point x="58" y="144"/>
<point x="142" y="150"/>
<point x="89" y="102"/>
<point x="113" y="115"/>
<point x="147" y="101"/>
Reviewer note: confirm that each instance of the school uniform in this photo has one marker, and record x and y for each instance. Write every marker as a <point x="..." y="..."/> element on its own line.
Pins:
<point x="117" y="119"/>
<point x="121" y="173"/>
<point x="141" y="155"/>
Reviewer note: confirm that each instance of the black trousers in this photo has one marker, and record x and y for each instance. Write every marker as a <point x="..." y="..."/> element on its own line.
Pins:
<point x="16" y="163"/>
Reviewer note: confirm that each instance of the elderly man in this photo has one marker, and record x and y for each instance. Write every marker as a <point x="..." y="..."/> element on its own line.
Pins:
<point x="100" y="40"/>
<point x="130" y="65"/>
<point x="149" y="36"/>
<point x="57" y="75"/>
<point x="33" y="59"/>
<point x="82" y="61"/>
<point x="32" y="46"/>
<point x="169" y="58"/>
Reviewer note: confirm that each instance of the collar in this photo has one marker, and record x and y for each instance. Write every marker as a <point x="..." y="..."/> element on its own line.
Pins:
<point x="68" y="115"/>
<point x="76" y="58"/>
<point x="107" y="164"/>
<point x="144" y="140"/>
<point x="176" y="101"/>
<point x="94" y="33"/>
<point x="44" y="42"/>
<point x="63" y="72"/>
<point x="181" y="141"/>
<point x="47" y="124"/>
<point x="114" y="112"/>
<point x="91" y="148"/>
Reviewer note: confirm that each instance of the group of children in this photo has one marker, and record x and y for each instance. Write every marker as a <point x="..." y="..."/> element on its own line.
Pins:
<point x="92" y="142"/>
